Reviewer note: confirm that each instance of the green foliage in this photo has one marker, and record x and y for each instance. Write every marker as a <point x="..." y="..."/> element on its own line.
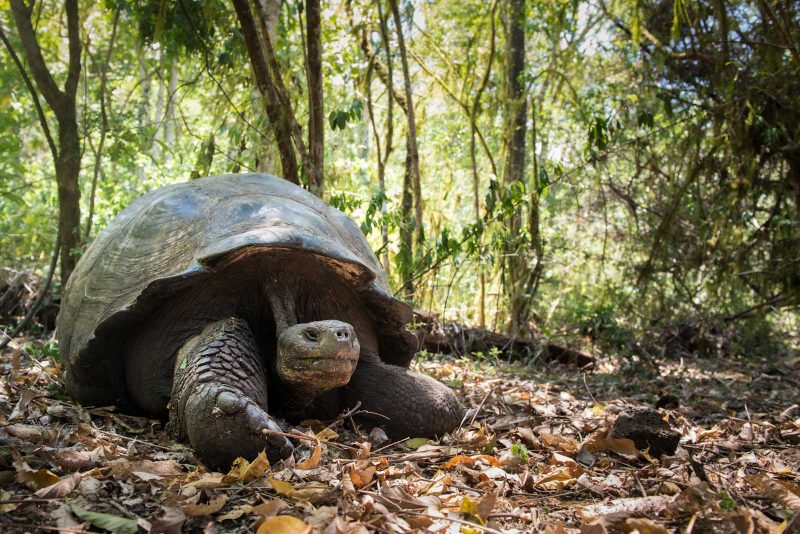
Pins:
<point x="112" y="523"/>
<point x="519" y="450"/>
<point x="341" y="117"/>
<point x="40" y="351"/>
<point x="664" y="181"/>
<point x="727" y="503"/>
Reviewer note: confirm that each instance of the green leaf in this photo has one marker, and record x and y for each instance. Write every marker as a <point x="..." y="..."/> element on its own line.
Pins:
<point x="416" y="443"/>
<point x="520" y="450"/>
<point x="108" y="522"/>
<point x="16" y="199"/>
<point x="675" y="31"/>
<point x="727" y="502"/>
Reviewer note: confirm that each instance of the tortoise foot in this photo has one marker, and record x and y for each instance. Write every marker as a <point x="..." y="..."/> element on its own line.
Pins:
<point x="405" y="403"/>
<point x="219" y="397"/>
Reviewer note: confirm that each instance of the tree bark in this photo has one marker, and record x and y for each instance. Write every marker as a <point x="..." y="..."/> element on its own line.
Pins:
<point x="143" y="113"/>
<point x="64" y="107"/>
<point x="316" y="119"/>
<point x="514" y="169"/>
<point x="473" y="123"/>
<point x="269" y="92"/>
<point x="98" y="158"/>
<point x="170" y="128"/>
<point x="412" y="191"/>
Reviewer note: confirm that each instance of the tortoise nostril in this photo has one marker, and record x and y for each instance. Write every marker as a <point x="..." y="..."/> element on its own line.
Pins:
<point x="342" y="334"/>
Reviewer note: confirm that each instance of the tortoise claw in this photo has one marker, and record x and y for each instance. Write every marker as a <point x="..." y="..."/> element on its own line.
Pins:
<point x="219" y="398"/>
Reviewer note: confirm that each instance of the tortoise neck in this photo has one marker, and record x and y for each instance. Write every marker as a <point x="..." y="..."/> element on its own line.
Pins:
<point x="282" y="299"/>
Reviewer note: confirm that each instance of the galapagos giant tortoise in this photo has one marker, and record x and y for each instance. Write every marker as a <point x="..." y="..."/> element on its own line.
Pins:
<point x="228" y="300"/>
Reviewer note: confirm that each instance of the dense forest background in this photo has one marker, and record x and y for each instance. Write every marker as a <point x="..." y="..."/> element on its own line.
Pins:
<point x="591" y="170"/>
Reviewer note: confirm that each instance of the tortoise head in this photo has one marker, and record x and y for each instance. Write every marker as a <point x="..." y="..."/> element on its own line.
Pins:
<point x="316" y="357"/>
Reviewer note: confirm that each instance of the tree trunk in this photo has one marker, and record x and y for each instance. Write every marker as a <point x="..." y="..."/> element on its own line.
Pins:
<point x="267" y="87"/>
<point x="412" y="191"/>
<point x="68" y="169"/>
<point x="98" y="157"/>
<point x="158" y="117"/>
<point x="143" y="113"/>
<point x="473" y="123"/>
<point x="64" y="107"/>
<point x="514" y="171"/>
<point x="267" y="155"/>
<point x="170" y="128"/>
<point x="316" y="119"/>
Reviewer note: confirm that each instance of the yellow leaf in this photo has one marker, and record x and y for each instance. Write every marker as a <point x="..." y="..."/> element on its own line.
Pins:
<point x="283" y="524"/>
<point x="36" y="480"/>
<point x="5" y="496"/>
<point x="282" y="487"/>
<point x="212" y="507"/>
<point x="245" y="471"/>
<point x="257" y="468"/>
<point x="327" y="434"/>
<point x="237" y="471"/>
<point x="416" y="443"/>
<point x="468" y="506"/>
<point x="286" y="488"/>
<point x="312" y="461"/>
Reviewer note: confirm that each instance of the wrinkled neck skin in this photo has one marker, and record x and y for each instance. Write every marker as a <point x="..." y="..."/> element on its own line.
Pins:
<point x="309" y="313"/>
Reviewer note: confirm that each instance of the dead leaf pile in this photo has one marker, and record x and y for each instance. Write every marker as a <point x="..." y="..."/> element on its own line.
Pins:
<point x="536" y="456"/>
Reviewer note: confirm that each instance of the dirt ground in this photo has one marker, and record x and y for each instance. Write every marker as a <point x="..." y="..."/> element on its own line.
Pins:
<point x="534" y="455"/>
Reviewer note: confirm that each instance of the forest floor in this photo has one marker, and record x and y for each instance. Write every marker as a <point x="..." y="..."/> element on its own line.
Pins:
<point x="534" y="456"/>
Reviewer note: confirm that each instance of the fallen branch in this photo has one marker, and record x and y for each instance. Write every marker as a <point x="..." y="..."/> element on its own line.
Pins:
<point x="454" y="338"/>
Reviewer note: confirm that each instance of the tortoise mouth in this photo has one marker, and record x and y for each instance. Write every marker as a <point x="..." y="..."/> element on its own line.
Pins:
<point x="331" y="358"/>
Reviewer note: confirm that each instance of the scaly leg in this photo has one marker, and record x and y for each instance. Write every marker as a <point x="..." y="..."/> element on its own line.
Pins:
<point x="219" y="397"/>
<point x="409" y="404"/>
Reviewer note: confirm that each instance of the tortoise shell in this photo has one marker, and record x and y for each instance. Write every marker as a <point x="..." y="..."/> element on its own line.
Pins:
<point x="168" y="240"/>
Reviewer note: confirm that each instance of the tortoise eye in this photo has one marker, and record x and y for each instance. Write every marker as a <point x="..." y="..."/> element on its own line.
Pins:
<point x="311" y="335"/>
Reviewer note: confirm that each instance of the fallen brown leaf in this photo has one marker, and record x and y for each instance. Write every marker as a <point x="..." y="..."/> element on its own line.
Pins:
<point x="304" y="492"/>
<point x="776" y="491"/>
<point x="60" y="489"/>
<point x="170" y="522"/>
<point x="629" y="506"/>
<point x="283" y="524"/>
<point x="269" y="508"/>
<point x="211" y="507"/>
<point x="361" y="475"/>
<point x="313" y="460"/>
<point x="622" y="446"/>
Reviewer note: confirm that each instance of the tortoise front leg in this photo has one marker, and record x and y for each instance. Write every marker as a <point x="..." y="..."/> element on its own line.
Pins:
<point x="407" y="404"/>
<point x="219" y="397"/>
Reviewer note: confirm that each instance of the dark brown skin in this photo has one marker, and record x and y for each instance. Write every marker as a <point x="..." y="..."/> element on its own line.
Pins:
<point x="246" y="353"/>
<point x="219" y="398"/>
<point x="314" y="358"/>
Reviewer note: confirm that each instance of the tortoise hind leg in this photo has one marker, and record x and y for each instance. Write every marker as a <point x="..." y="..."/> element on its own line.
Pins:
<point x="407" y="404"/>
<point x="219" y="397"/>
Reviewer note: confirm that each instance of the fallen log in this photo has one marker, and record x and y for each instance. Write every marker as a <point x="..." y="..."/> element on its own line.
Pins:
<point x="454" y="338"/>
